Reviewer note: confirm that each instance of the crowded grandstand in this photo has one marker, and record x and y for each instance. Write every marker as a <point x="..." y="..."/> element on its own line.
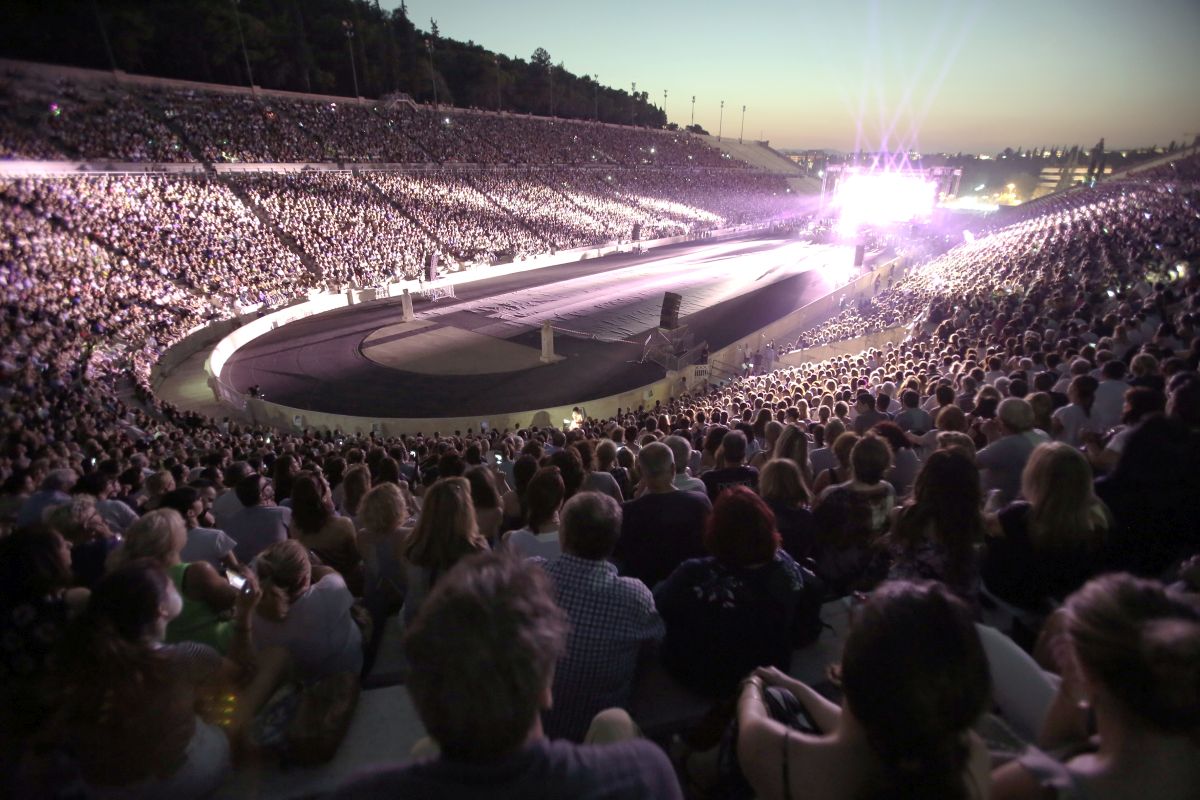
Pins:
<point x="989" y="522"/>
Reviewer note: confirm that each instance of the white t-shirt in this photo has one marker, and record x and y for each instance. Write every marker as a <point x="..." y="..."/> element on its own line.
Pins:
<point x="528" y="544"/>
<point x="207" y="544"/>
<point x="1073" y="420"/>
<point x="318" y="631"/>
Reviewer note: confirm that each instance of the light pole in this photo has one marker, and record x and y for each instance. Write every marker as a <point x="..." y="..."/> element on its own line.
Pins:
<point x="432" y="76"/>
<point x="633" y="105"/>
<point x="693" y="111"/>
<point x="743" y="128"/>
<point x="664" y="106"/>
<point x="721" y="121"/>
<point x="496" y="62"/>
<point x="348" y="29"/>
<point x="237" y="18"/>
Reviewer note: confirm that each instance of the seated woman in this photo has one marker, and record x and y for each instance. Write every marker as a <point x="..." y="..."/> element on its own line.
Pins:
<point x="129" y="701"/>
<point x="915" y="679"/>
<point x="935" y="534"/>
<point x="1054" y="540"/>
<point x="781" y="485"/>
<point x="736" y="609"/>
<point x="905" y="464"/>
<point x="316" y="526"/>
<point x="446" y="532"/>
<point x="544" y="498"/>
<point x="355" y="485"/>
<point x="513" y="500"/>
<point x="488" y="512"/>
<point x="207" y="597"/>
<point x="383" y="515"/>
<point x="1129" y="652"/>
<point x="306" y="611"/>
<point x="851" y="516"/>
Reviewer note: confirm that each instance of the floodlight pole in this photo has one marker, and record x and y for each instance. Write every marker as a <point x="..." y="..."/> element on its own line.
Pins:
<point x="432" y="75"/>
<point x="633" y="105"/>
<point x="348" y="29"/>
<point x="743" y="128"/>
<point x="721" y="121"/>
<point x="237" y="19"/>
<point x="496" y="62"/>
<point x="693" y="111"/>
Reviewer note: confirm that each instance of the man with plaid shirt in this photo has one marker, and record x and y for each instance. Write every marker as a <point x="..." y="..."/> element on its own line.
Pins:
<point x="613" y="619"/>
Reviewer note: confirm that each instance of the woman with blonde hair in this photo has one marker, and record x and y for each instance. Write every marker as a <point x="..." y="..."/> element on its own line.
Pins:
<point x="1127" y="713"/>
<point x="157" y="485"/>
<point x="305" y="609"/>
<point x="771" y="433"/>
<point x="792" y="444"/>
<point x="445" y="532"/>
<point x="160" y="536"/>
<point x="1053" y="540"/>
<point x="382" y="515"/>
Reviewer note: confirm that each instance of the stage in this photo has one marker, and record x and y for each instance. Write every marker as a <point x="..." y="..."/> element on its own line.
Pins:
<point x="478" y="353"/>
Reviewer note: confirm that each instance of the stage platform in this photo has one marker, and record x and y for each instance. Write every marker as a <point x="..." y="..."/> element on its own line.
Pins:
<point x="478" y="353"/>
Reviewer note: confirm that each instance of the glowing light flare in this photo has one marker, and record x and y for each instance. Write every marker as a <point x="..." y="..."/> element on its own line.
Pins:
<point x="883" y="197"/>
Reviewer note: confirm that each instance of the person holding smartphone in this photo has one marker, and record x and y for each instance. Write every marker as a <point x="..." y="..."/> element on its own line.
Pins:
<point x="207" y="597"/>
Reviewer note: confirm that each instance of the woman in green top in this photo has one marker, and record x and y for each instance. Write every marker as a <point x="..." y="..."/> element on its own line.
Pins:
<point x="207" y="597"/>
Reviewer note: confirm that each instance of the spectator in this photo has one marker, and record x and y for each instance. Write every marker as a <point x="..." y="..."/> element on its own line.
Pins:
<point x="1011" y="440"/>
<point x="732" y="470"/>
<point x="445" y="532"/>
<point x="664" y="526"/>
<point x="492" y="625"/>
<point x="160" y="536"/>
<point x="613" y="620"/>
<point x="739" y="607"/>
<point x="543" y="499"/>
<point x="129" y="698"/>
<point x="782" y="488"/>
<point x="915" y="680"/>
<point x="203" y="544"/>
<point x="1055" y="539"/>
<point x="305" y="610"/>
<point x="318" y="527"/>
<point x="259" y="523"/>
<point x="1128" y="654"/>
<point x="935" y="535"/>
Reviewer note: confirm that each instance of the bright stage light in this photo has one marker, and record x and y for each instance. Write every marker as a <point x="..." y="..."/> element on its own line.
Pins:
<point x="879" y="198"/>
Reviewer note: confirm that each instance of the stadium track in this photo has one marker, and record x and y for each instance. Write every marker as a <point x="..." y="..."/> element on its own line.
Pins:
<point x="317" y="363"/>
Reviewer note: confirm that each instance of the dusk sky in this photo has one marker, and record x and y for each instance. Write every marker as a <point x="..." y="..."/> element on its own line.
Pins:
<point x="976" y="75"/>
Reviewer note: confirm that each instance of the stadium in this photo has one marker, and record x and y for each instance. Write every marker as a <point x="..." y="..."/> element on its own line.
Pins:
<point x="441" y="424"/>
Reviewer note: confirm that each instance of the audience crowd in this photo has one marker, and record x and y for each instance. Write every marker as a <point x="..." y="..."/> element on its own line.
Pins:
<point x="988" y="553"/>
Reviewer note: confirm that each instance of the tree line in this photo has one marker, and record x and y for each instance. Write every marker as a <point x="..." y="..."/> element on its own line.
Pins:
<point x="308" y="46"/>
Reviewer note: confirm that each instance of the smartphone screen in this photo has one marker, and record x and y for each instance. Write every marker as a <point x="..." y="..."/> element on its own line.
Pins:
<point x="235" y="579"/>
